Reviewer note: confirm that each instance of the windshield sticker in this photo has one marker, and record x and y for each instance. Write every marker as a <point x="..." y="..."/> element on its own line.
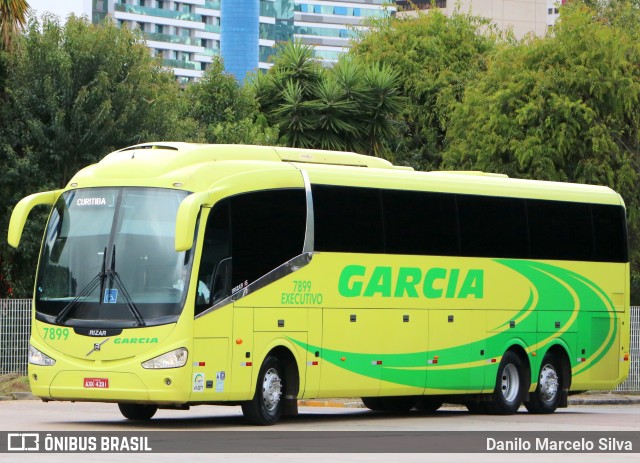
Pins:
<point x="91" y="202"/>
<point x="110" y="296"/>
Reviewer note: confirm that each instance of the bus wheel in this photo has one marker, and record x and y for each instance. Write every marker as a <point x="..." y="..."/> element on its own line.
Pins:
<point x="266" y="407"/>
<point x="137" y="412"/>
<point x="548" y="393"/>
<point x="373" y="403"/>
<point x="476" y="407"/>
<point x="428" y="404"/>
<point x="509" y="390"/>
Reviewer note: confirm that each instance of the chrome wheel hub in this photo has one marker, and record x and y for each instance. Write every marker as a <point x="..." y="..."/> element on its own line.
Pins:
<point x="549" y="383"/>
<point x="510" y="383"/>
<point x="271" y="389"/>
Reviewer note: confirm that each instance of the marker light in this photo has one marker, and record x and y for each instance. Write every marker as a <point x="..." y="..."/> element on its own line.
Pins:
<point x="174" y="359"/>
<point x="38" y="358"/>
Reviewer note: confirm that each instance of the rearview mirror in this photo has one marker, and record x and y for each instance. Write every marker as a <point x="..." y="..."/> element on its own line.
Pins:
<point x="21" y="212"/>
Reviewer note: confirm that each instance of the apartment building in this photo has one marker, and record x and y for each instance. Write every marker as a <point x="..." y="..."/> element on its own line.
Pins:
<point x="186" y="34"/>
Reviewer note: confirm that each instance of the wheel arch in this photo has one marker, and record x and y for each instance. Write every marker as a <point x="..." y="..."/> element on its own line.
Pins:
<point x="293" y="368"/>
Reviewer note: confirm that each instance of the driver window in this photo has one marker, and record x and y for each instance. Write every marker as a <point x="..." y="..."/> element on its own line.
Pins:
<point x="214" y="275"/>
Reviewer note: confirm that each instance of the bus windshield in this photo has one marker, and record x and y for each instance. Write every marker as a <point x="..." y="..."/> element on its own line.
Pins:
<point x="108" y="259"/>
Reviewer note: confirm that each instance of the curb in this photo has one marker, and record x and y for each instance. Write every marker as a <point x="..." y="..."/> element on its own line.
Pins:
<point x="23" y="396"/>
<point x="620" y="400"/>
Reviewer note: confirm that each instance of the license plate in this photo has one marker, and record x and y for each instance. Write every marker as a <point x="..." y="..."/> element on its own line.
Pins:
<point x="96" y="383"/>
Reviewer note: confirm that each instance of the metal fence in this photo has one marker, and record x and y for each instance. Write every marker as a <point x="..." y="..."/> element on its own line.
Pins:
<point x="632" y="384"/>
<point x="15" y="326"/>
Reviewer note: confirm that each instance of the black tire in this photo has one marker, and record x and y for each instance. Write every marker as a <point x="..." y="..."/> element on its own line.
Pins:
<point x="373" y="403"/>
<point x="137" y="412"/>
<point x="476" y="408"/>
<point x="399" y="404"/>
<point x="268" y="401"/>
<point x="548" y="393"/>
<point x="428" y="404"/>
<point x="510" y="386"/>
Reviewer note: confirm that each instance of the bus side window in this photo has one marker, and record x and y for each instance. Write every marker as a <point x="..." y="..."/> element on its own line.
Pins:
<point x="215" y="263"/>
<point x="267" y="229"/>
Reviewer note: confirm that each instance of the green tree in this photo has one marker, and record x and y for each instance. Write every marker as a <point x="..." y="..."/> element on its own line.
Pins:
<point x="435" y="58"/>
<point x="13" y="18"/>
<point x="563" y="107"/>
<point x="347" y="107"/>
<point x="74" y="93"/>
<point x="223" y="111"/>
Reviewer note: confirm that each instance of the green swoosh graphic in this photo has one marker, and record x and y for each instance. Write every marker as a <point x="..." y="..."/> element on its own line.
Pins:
<point x="555" y="294"/>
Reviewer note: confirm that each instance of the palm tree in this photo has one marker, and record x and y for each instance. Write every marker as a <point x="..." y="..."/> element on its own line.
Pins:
<point x="13" y="17"/>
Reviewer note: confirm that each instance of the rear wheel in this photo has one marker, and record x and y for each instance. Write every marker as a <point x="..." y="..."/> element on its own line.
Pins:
<point x="510" y="386"/>
<point x="137" y="412"/>
<point x="477" y="408"/>
<point x="267" y="404"/>
<point x="548" y="393"/>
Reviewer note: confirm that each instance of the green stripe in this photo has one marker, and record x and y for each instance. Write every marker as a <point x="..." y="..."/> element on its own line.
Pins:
<point x="554" y="302"/>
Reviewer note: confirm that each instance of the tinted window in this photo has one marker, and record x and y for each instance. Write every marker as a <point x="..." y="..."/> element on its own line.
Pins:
<point x="268" y="229"/>
<point x="610" y="233"/>
<point x="369" y="220"/>
<point x="560" y="230"/>
<point x="213" y="275"/>
<point x="420" y="223"/>
<point x="492" y="226"/>
<point x="347" y="219"/>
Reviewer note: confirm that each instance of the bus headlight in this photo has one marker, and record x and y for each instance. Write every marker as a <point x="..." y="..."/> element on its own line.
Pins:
<point x="38" y="358"/>
<point x="174" y="359"/>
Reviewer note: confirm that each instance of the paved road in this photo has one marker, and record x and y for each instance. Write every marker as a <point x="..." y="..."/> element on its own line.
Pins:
<point x="62" y="416"/>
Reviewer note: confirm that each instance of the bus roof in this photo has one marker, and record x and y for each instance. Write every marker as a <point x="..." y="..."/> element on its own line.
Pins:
<point x="197" y="167"/>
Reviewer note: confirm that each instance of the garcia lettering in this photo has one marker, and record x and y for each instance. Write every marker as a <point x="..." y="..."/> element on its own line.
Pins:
<point x="135" y="341"/>
<point x="432" y="283"/>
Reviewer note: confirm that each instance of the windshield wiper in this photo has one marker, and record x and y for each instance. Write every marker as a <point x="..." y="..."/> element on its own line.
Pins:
<point x="113" y="276"/>
<point x="86" y="291"/>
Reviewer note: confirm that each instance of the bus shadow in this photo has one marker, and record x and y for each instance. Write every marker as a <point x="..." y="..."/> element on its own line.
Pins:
<point x="187" y="421"/>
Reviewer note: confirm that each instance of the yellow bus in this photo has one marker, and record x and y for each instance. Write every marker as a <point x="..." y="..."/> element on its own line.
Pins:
<point x="176" y="274"/>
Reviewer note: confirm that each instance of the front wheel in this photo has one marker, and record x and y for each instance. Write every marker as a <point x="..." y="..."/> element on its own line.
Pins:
<point x="266" y="407"/>
<point x="510" y="386"/>
<point x="548" y="393"/>
<point x="137" y="412"/>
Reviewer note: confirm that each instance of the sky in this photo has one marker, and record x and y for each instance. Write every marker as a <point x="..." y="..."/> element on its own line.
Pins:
<point x="61" y="8"/>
